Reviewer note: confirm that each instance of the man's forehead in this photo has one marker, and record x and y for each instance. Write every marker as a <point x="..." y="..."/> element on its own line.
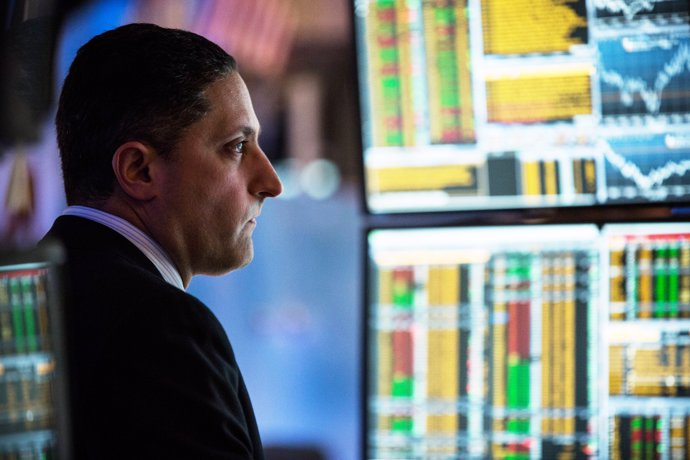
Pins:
<point x="230" y="86"/>
<point x="231" y="106"/>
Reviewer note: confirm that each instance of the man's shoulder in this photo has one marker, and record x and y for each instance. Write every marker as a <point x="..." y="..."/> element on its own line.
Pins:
<point x="99" y="261"/>
<point x="109" y="280"/>
<point x="117" y="305"/>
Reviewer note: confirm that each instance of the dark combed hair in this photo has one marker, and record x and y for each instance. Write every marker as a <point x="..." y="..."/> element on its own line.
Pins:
<point x="136" y="82"/>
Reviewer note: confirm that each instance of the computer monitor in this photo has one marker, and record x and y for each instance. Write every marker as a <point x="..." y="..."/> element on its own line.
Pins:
<point x="34" y="410"/>
<point x="646" y="339"/>
<point x="473" y="105"/>
<point x="532" y="341"/>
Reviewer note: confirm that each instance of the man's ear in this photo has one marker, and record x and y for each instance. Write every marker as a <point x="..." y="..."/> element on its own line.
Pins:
<point x="132" y="166"/>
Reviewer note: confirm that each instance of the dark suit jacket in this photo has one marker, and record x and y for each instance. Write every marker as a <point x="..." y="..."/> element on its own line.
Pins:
<point x="152" y="373"/>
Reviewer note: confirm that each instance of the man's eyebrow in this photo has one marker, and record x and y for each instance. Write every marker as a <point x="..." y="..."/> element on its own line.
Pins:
<point x="248" y="131"/>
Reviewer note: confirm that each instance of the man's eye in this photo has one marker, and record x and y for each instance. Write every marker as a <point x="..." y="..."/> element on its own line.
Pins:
<point x="240" y="148"/>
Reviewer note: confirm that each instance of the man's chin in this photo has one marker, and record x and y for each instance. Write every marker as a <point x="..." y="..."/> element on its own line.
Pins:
<point x="228" y="264"/>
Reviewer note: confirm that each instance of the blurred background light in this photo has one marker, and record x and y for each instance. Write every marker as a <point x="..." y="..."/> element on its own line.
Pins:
<point x="320" y="179"/>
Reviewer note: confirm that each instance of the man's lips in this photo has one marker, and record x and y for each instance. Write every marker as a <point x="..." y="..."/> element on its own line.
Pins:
<point x="253" y="219"/>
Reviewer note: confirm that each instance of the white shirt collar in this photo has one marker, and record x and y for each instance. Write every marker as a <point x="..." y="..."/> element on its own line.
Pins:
<point x="141" y="240"/>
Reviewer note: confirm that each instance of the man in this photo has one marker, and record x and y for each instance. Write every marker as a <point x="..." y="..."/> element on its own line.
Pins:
<point x="164" y="179"/>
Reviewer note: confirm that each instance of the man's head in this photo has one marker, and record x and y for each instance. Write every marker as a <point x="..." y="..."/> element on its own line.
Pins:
<point x="165" y="136"/>
<point x="138" y="81"/>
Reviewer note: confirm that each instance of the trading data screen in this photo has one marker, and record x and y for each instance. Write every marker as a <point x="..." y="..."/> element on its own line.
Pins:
<point x="494" y="104"/>
<point x="29" y="415"/>
<point x="560" y="341"/>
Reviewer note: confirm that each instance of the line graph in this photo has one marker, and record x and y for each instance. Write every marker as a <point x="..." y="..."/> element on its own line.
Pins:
<point x="631" y="10"/>
<point x="650" y="94"/>
<point x="647" y="165"/>
<point x="628" y="8"/>
<point x="645" y="79"/>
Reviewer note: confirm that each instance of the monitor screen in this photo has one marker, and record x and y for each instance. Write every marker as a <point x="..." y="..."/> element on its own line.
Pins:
<point x="33" y="404"/>
<point x="550" y="341"/>
<point x="491" y="104"/>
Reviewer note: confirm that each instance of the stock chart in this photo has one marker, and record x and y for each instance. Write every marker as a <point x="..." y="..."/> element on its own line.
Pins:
<point x="560" y="341"/>
<point x="586" y="102"/>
